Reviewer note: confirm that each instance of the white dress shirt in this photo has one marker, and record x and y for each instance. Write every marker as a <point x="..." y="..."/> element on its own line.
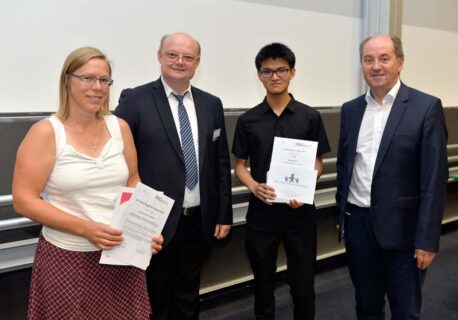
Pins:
<point x="191" y="197"/>
<point x="370" y="135"/>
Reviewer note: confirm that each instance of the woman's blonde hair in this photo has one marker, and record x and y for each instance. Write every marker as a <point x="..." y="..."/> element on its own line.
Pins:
<point x="75" y="60"/>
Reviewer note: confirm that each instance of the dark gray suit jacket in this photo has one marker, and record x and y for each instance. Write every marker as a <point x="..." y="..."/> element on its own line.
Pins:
<point x="160" y="159"/>
<point x="410" y="174"/>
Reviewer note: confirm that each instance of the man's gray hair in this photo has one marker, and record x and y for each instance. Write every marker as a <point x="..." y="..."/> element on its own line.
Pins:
<point x="397" y="43"/>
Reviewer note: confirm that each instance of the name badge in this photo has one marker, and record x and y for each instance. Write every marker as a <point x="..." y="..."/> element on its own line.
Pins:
<point x="216" y="134"/>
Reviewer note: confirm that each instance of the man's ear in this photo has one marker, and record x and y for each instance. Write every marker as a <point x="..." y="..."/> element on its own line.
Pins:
<point x="401" y="64"/>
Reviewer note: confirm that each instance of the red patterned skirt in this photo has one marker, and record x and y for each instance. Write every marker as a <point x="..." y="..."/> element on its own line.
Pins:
<point x="73" y="285"/>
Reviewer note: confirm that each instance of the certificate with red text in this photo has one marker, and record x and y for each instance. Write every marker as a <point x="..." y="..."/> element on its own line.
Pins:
<point x="142" y="217"/>
<point x="124" y="195"/>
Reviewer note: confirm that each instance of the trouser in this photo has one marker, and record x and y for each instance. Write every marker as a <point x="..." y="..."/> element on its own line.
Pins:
<point x="376" y="272"/>
<point x="300" y="249"/>
<point x="173" y="276"/>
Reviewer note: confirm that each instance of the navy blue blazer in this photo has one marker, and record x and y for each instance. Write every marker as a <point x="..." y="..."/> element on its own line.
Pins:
<point x="160" y="159"/>
<point x="410" y="174"/>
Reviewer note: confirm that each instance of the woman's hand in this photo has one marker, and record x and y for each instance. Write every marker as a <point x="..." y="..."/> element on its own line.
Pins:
<point x="102" y="236"/>
<point x="156" y="244"/>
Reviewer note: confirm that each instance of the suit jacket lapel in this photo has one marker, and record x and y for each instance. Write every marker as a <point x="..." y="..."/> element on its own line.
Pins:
<point x="163" y="108"/>
<point x="396" y="113"/>
<point x="355" y="123"/>
<point x="202" y="123"/>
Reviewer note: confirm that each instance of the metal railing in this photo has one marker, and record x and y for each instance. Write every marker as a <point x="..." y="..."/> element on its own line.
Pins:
<point x="324" y="194"/>
<point x="16" y="223"/>
<point x="6" y="200"/>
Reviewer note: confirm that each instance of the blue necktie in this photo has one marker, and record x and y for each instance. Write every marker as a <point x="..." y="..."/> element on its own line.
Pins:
<point x="187" y="144"/>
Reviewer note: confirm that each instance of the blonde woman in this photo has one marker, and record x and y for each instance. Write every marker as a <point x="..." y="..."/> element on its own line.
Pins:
<point x="68" y="171"/>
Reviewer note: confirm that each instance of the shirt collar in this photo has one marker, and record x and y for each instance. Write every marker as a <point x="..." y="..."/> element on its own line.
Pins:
<point x="291" y="106"/>
<point x="391" y="95"/>
<point x="169" y="91"/>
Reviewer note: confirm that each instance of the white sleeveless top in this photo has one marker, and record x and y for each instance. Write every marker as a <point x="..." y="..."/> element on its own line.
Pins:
<point x="84" y="186"/>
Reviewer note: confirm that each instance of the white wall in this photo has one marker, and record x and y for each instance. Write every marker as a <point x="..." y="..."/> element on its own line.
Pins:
<point x="37" y="36"/>
<point x="431" y="63"/>
<point x="430" y="38"/>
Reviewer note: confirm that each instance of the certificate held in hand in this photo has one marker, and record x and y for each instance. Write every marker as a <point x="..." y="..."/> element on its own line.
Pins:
<point x="140" y="213"/>
<point x="292" y="172"/>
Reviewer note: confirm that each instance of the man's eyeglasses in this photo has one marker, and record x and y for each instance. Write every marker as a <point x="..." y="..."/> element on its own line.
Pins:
<point x="268" y="73"/>
<point x="173" y="56"/>
<point x="90" y="80"/>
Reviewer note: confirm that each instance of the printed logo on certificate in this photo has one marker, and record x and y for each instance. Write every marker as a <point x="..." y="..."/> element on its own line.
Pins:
<point x="292" y="182"/>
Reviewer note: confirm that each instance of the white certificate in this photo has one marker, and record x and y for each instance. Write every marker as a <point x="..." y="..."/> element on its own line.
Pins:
<point x="294" y="152"/>
<point x="292" y="182"/>
<point x="143" y="217"/>
<point x="122" y="198"/>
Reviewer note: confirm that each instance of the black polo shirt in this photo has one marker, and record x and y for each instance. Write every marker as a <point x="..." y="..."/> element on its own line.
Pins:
<point x="253" y="140"/>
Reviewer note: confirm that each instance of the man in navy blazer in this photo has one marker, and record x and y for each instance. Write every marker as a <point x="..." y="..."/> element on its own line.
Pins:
<point x="200" y="213"/>
<point x="392" y="172"/>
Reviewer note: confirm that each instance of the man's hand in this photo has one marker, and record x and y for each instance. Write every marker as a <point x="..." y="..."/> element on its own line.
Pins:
<point x="424" y="258"/>
<point x="265" y="193"/>
<point x="295" y="204"/>
<point x="222" y="230"/>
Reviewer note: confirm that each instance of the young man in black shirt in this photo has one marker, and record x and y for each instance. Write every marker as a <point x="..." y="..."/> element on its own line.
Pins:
<point x="268" y="223"/>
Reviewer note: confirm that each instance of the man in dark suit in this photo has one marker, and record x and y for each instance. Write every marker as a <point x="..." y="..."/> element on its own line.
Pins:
<point x="391" y="183"/>
<point x="182" y="150"/>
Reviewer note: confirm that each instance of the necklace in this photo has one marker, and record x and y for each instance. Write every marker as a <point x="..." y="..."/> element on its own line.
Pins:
<point x="93" y="143"/>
